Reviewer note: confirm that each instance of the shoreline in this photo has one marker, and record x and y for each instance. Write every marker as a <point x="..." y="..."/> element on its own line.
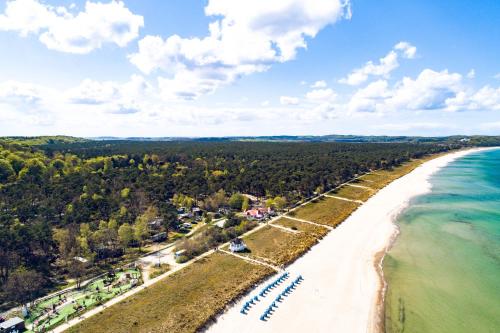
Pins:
<point x="378" y="317"/>
<point x="343" y="288"/>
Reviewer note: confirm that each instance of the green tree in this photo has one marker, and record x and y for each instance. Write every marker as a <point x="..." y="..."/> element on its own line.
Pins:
<point x="280" y="203"/>
<point x="33" y="170"/>
<point x="16" y="162"/>
<point x="141" y="230"/>
<point x="245" y="204"/>
<point x="270" y="203"/>
<point x="236" y="201"/>
<point x="6" y="171"/>
<point x="23" y="285"/>
<point x="126" y="234"/>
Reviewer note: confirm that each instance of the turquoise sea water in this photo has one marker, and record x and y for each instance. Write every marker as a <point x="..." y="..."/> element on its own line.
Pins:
<point x="443" y="272"/>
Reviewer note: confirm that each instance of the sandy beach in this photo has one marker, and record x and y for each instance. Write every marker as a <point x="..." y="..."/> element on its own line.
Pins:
<point x="342" y="290"/>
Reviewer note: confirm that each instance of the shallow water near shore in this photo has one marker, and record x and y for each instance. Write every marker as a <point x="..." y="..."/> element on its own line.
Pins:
<point x="443" y="271"/>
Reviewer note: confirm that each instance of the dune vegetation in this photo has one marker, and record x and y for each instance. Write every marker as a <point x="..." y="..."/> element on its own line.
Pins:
<point x="181" y="302"/>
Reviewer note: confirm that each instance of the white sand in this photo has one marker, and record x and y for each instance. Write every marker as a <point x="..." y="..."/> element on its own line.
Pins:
<point x="341" y="289"/>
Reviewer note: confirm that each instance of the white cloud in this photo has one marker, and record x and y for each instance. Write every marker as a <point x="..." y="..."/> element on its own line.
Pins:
<point x="409" y="51"/>
<point x="245" y="37"/>
<point x="368" y="98"/>
<point x="471" y="74"/>
<point x="59" y="29"/>
<point x="384" y="67"/>
<point x="20" y="93"/>
<point x="319" y="84"/>
<point x="265" y="103"/>
<point x="111" y="96"/>
<point x="430" y="90"/>
<point x="320" y="95"/>
<point x="288" y="100"/>
<point x="486" y="98"/>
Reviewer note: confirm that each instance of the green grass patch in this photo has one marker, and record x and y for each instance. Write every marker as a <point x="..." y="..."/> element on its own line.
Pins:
<point x="325" y="210"/>
<point x="182" y="302"/>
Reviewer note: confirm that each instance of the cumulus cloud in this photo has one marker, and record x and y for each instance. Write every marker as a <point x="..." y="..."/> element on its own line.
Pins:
<point x="245" y="37"/>
<point x="486" y="98"/>
<point x="384" y="66"/>
<point x="409" y="51"/>
<point x="288" y="100"/>
<point x="367" y="99"/>
<point x="61" y="30"/>
<point x="430" y="90"/>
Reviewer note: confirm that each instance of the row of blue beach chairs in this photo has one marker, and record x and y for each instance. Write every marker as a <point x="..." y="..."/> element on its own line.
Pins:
<point x="264" y="292"/>
<point x="280" y="297"/>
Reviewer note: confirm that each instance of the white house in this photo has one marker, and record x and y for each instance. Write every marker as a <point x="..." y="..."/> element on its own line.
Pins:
<point x="237" y="245"/>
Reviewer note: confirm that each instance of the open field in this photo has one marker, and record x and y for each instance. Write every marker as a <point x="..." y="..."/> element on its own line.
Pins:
<point x="316" y="231"/>
<point x="354" y="193"/>
<point x="181" y="302"/>
<point x="326" y="211"/>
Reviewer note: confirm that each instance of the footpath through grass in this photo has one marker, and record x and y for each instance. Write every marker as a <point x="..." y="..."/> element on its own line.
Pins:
<point x="181" y="302"/>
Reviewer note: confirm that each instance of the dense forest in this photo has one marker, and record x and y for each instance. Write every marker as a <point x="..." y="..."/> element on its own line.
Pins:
<point x="63" y="198"/>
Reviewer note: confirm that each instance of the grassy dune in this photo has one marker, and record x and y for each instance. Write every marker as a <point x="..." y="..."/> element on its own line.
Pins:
<point x="277" y="246"/>
<point x="318" y="232"/>
<point x="355" y="193"/>
<point x="325" y="210"/>
<point x="181" y="302"/>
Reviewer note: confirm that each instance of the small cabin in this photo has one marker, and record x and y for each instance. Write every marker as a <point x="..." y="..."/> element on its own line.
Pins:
<point x="12" y="325"/>
<point x="237" y="245"/>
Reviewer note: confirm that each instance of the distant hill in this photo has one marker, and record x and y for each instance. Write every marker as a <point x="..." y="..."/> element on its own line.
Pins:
<point x="459" y="139"/>
<point x="41" y="140"/>
<point x="310" y="138"/>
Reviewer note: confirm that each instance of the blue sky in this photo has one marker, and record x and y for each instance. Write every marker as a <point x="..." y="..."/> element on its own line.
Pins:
<point x="231" y="67"/>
